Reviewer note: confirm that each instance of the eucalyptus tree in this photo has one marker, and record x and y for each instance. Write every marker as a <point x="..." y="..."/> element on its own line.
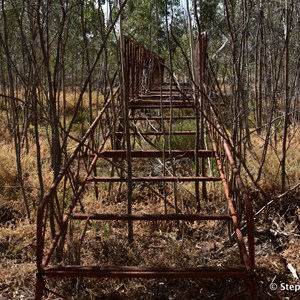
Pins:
<point x="145" y="22"/>
<point x="49" y="49"/>
<point x="9" y="39"/>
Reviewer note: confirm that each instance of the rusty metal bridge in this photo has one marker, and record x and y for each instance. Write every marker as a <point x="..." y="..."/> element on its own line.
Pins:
<point x="146" y="121"/>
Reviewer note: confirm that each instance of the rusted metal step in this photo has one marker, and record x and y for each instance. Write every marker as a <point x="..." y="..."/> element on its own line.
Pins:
<point x="151" y="217"/>
<point x="157" y="96"/>
<point x="166" y="86"/>
<point x="157" y="104"/>
<point x="156" y="153"/>
<point x="158" y="118"/>
<point x="166" y="93"/>
<point x="145" y="272"/>
<point x="150" y="100"/>
<point x="166" y="89"/>
<point x="162" y="133"/>
<point x="155" y="179"/>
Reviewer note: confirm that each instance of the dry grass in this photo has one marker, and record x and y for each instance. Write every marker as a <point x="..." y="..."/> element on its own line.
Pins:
<point x="17" y="234"/>
<point x="159" y="243"/>
<point x="8" y="171"/>
<point x="271" y="172"/>
<point x="278" y="226"/>
<point x="17" y="254"/>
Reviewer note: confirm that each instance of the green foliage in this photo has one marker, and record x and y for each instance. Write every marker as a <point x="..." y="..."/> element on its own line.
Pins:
<point x="179" y="142"/>
<point x="150" y="16"/>
<point x="107" y="230"/>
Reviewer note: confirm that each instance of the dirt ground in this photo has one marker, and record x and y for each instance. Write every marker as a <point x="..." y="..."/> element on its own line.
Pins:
<point x="277" y="239"/>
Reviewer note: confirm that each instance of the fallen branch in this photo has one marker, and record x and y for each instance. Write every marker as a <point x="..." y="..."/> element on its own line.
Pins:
<point x="277" y="198"/>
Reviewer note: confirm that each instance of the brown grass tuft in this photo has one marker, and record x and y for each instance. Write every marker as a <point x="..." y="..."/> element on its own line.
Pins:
<point x="8" y="171"/>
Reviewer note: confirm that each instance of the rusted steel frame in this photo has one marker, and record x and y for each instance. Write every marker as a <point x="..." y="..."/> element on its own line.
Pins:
<point x="67" y="214"/>
<point x="132" y="69"/>
<point x="131" y="65"/>
<point x="137" y="83"/>
<point x="235" y="188"/>
<point x="235" y="175"/>
<point x="39" y="287"/>
<point x="139" y="70"/>
<point x="152" y="217"/>
<point x="50" y="194"/>
<point x="237" y="198"/>
<point x="176" y="94"/>
<point x="149" y="99"/>
<point x="157" y="106"/>
<point x="146" y="272"/>
<point x="146" y="60"/>
<point x="130" y="40"/>
<point x="156" y="98"/>
<point x="237" y="230"/>
<point x="134" y="72"/>
<point x="246" y="201"/>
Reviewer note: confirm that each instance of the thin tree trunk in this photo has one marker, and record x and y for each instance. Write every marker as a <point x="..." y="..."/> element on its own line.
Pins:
<point x="286" y="100"/>
<point x="125" y="97"/>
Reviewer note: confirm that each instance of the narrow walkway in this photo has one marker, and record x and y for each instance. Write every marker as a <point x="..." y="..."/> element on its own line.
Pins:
<point x="170" y="170"/>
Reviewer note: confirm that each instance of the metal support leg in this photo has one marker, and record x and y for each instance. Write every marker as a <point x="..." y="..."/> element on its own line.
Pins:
<point x="39" y="288"/>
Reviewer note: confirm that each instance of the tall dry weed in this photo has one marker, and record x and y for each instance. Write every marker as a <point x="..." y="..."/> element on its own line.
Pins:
<point x="8" y="171"/>
<point x="270" y="179"/>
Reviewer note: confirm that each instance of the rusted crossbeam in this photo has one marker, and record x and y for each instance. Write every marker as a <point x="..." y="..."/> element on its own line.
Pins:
<point x="155" y="179"/>
<point x="163" y="96"/>
<point x="151" y="217"/>
<point x="158" y="105"/>
<point x="145" y="272"/>
<point x="156" y="153"/>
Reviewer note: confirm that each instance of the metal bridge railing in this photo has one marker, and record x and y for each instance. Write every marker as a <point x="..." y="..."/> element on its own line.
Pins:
<point x="54" y="241"/>
<point x="66" y="192"/>
<point x="238" y="202"/>
<point x="143" y="68"/>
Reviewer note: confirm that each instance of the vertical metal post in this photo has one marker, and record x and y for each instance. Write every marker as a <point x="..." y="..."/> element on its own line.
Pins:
<point x="39" y="287"/>
<point x="203" y="48"/>
<point x="195" y="78"/>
